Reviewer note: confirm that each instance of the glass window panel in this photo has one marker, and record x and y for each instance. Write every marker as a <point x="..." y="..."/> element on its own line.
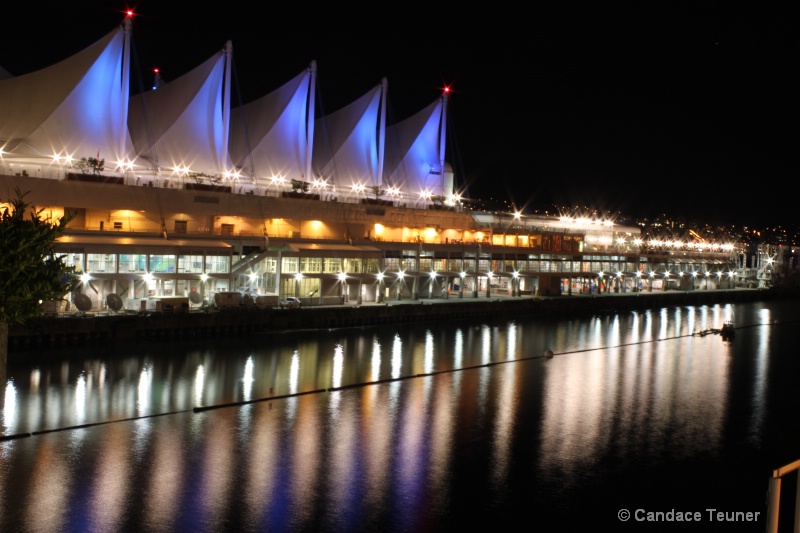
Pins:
<point x="162" y="263"/>
<point x="290" y="265"/>
<point x="101" y="262"/>
<point x="133" y="263"/>
<point x="190" y="263"/>
<point x="218" y="264"/>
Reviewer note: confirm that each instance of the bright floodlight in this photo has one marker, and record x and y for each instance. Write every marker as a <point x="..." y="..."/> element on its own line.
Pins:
<point x="433" y="274"/>
<point x="342" y="276"/>
<point x="85" y="277"/>
<point x="203" y="277"/>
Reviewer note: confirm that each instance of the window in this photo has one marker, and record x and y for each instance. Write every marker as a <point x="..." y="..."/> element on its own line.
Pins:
<point x="217" y="264"/>
<point x="162" y="263"/>
<point x="101" y="262"/>
<point x="180" y="226"/>
<point x="190" y="263"/>
<point x="132" y="263"/>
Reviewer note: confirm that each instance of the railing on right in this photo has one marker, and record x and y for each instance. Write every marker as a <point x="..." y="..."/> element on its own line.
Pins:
<point x="774" y="497"/>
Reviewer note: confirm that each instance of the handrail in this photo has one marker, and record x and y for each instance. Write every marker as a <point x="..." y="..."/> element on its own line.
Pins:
<point x="774" y="497"/>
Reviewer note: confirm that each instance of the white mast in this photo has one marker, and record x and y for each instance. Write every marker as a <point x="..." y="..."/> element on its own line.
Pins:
<point x="442" y="137"/>
<point x="382" y="130"/>
<point x="310" y="119"/>
<point x="126" y="85"/>
<point x="226" y="105"/>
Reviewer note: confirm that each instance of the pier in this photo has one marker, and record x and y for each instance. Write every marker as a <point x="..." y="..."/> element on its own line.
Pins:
<point x="74" y="330"/>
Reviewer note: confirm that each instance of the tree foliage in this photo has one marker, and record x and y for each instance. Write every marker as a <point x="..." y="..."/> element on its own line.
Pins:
<point x="299" y="186"/>
<point x="95" y="165"/>
<point x="30" y="271"/>
<point x="377" y="191"/>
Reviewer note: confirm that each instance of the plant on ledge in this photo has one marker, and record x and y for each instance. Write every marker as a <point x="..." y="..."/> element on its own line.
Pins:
<point x="438" y="200"/>
<point x="95" y="165"/>
<point x="200" y="177"/>
<point x="377" y="191"/>
<point x="299" y="186"/>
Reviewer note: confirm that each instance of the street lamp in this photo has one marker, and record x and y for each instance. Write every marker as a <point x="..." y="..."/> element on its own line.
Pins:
<point x="461" y="287"/>
<point x="380" y="287"/>
<point x="399" y="283"/>
<point x="489" y="284"/>
<point x="430" y="287"/>
<point x="343" y="279"/>
<point x="297" y="278"/>
<point x="515" y="281"/>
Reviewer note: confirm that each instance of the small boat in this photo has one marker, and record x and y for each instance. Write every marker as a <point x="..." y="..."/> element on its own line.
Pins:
<point x="728" y="332"/>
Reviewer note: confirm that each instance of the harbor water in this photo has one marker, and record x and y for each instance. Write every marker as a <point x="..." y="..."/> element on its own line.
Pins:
<point x="639" y="421"/>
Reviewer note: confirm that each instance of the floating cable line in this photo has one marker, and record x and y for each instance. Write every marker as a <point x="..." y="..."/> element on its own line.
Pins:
<point x="201" y="409"/>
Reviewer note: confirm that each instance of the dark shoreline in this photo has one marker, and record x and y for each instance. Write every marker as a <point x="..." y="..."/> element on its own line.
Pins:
<point x="75" y="331"/>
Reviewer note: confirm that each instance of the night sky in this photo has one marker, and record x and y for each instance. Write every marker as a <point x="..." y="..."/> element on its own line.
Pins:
<point x="688" y="108"/>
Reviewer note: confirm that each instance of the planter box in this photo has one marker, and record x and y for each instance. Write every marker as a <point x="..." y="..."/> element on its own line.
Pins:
<point x="301" y="195"/>
<point x="95" y="178"/>
<point x="205" y="187"/>
<point x="374" y="201"/>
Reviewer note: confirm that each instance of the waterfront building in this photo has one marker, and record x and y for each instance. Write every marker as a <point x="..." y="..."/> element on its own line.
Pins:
<point x="178" y="195"/>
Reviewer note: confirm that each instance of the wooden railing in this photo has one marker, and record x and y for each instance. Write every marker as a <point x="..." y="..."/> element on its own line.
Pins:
<point x="774" y="497"/>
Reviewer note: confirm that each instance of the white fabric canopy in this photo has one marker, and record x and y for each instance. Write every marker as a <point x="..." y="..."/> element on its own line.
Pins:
<point x="74" y="108"/>
<point x="180" y="125"/>
<point x="346" y="143"/>
<point x="412" y="153"/>
<point x="269" y="135"/>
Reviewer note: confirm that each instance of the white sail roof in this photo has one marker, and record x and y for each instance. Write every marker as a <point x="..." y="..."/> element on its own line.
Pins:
<point x="412" y="152"/>
<point x="75" y="108"/>
<point x="269" y="136"/>
<point x="181" y="125"/>
<point x="346" y="143"/>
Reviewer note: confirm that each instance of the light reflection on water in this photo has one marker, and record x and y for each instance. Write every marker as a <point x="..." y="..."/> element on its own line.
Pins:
<point x="438" y="451"/>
